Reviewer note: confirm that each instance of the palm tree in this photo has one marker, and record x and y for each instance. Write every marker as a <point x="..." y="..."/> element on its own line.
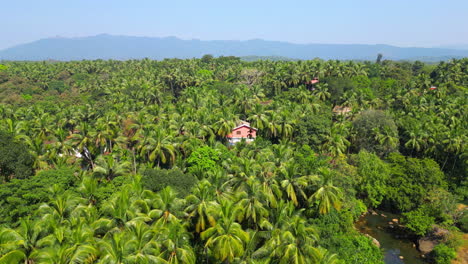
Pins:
<point x="63" y="254"/>
<point x="224" y="126"/>
<point x="322" y="92"/>
<point x="109" y="167"/>
<point x="323" y="256"/>
<point x="88" y="189"/>
<point x="291" y="244"/>
<point x="415" y="141"/>
<point x="158" y="147"/>
<point x="294" y="184"/>
<point x="386" y="138"/>
<point x="252" y="201"/>
<point x="226" y="239"/>
<point x="201" y="207"/>
<point x="113" y="249"/>
<point x="175" y="244"/>
<point x="336" y="143"/>
<point x="140" y="245"/>
<point x="327" y="196"/>
<point x="168" y="207"/>
<point x="60" y="207"/>
<point x="19" y="245"/>
<point x="119" y="209"/>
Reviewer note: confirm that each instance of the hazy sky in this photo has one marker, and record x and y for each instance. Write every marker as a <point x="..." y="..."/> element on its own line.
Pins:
<point x="396" y="22"/>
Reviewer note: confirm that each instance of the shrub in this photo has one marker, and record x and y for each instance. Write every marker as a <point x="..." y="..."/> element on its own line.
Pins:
<point x="21" y="197"/>
<point x="158" y="179"/>
<point x="463" y="222"/>
<point x="443" y="254"/>
<point x="15" y="160"/>
<point x="203" y="159"/>
<point x="418" y="221"/>
<point x="373" y="177"/>
<point x="353" y="248"/>
<point x="411" y="180"/>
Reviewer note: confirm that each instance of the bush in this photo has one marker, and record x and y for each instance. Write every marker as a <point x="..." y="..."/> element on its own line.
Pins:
<point x="203" y="159"/>
<point x="353" y="248"/>
<point x="463" y="222"/>
<point x="21" y="197"/>
<point x="418" y="221"/>
<point x="443" y="254"/>
<point x="158" y="179"/>
<point x="373" y="177"/>
<point x="338" y="235"/>
<point x="312" y="128"/>
<point x="410" y="182"/>
<point x="15" y="159"/>
<point x="107" y="188"/>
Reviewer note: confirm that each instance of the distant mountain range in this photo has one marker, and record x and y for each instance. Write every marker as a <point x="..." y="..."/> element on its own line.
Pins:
<point x="126" y="47"/>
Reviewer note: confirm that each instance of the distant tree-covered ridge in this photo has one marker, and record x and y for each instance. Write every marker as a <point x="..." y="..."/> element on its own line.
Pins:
<point x="107" y="47"/>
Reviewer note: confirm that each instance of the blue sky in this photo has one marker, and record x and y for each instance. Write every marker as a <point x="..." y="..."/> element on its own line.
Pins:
<point x="424" y="23"/>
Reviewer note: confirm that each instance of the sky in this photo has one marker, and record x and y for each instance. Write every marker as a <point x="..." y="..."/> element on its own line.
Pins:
<point x="421" y="23"/>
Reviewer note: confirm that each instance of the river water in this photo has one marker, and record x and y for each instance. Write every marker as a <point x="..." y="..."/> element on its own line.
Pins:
<point x="394" y="245"/>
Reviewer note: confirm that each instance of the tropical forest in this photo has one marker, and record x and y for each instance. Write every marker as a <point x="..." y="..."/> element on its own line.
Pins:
<point x="133" y="161"/>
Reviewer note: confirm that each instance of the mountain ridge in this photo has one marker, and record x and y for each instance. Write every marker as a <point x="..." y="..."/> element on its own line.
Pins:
<point x="120" y="47"/>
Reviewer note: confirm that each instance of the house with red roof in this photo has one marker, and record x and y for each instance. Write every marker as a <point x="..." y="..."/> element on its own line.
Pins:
<point x="341" y="110"/>
<point x="243" y="131"/>
<point x="311" y="84"/>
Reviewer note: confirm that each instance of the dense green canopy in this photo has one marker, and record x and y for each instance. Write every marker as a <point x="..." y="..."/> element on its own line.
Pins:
<point x="132" y="164"/>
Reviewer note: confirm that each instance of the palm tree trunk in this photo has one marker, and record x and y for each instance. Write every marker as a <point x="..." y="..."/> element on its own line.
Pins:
<point x="445" y="162"/>
<point x="454" y="162"/>
<point x="134" y="160"/>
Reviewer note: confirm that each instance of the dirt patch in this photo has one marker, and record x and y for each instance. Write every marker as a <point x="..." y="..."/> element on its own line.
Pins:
<point x="462" y="252"/>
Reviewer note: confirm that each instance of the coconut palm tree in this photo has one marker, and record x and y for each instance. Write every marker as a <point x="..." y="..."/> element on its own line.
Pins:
<point x="108" y="167"/>
<point x="158" y="147"/>
<point x="201" y="207"/>
<point x="18" y="245"/>
<point x="226" y="240"/>
<point x="175" y="244"/>
<point x="294" y="243"/>
<point x="327" y="196"/>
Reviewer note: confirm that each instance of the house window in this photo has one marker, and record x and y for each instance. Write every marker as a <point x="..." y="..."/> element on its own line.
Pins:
<point x="238" y="132"/>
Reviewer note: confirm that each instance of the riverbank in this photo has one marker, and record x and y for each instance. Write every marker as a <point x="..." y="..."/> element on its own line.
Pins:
<point x="398" y="248"/>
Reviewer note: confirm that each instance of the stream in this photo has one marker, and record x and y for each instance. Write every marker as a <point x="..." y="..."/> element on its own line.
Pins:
<point x="393" y="245"/>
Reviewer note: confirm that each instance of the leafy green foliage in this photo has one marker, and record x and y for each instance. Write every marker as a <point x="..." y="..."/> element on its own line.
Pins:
<point x="15" y="160"/>
<point x="336" y="235"/>
<point x="58" y="86"/>
<point x="411" y="180"/>
<point x="337" y="87"/>
<point x="418" y="221"/>
<point x="202" y="160"/>
<point x="463" y="222"/>
<point x="158" y="179"/>
<point x="21" y="197"/>
<point x="312" y="129"/>
<point x="443" y="254"/>
<point x="291" y="195"/>
<point x="373" y="178"/>
<point x="376" y="132"/>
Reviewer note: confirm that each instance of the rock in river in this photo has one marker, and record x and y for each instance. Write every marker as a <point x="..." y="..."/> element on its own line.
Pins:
<point x="426" y="245"/>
